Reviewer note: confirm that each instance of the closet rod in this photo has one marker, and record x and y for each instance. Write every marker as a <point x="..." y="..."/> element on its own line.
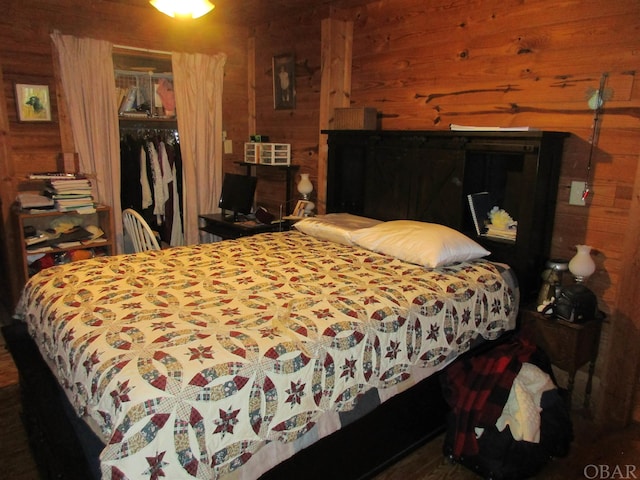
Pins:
<point x="138" y="49"/>
<point x="147" y="128"/>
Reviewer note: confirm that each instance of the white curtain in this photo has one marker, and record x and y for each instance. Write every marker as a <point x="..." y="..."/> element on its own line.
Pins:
<point x="198" y="82"/>
<point x="88" y="83"/>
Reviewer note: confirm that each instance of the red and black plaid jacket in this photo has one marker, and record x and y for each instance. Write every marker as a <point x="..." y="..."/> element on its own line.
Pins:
<point x="477" y="389"/>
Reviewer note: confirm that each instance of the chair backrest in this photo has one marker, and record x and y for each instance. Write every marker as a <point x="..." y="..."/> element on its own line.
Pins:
<point x="139" y="232"/>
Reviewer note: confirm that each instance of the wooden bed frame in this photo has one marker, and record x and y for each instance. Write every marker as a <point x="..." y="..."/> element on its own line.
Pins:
<point x="384" y="175"/>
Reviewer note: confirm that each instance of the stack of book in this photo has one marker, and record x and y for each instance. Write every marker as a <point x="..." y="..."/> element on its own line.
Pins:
<point x="35" y="201"/>
<point x="480" y="207"/>
<point x="71" y="194"/>
<point x="504" y="233"/>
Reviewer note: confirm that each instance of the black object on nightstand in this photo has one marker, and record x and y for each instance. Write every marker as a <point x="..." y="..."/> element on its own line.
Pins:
<point x="568" y="345"/>
<point x="217" y="224"/>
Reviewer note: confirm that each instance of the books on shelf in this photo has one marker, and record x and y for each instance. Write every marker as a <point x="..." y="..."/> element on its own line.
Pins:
<point x="71" y="194"/>
<point x="61" y="184"/>
<point x="503" y="233"/>
<point x="50" y="175"/>
<point x="479" y="205"/>
<point x="82" y="209"/>
<point x="34" y="200"/>
<point x="70" y="238"/>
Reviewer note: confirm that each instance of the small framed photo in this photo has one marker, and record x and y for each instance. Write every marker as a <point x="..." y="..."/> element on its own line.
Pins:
<point x="33" y="103"/>
<point x="301" y="207"/>
<point x="284" y="82"/>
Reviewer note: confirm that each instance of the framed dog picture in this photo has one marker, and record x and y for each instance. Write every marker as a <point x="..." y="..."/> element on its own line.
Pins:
<point x="33" y="103"/>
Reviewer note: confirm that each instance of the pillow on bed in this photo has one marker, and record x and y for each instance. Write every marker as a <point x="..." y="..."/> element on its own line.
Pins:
<point x="335" y="227"/>
<point x="427" y="244"/>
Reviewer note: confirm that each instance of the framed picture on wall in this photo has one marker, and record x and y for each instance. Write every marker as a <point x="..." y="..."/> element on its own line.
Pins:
<point x="33" y="103"/>
<point x="284" y="82"/>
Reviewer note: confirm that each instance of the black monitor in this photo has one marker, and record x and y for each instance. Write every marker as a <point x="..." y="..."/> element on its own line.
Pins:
<point x="237" y="195"/>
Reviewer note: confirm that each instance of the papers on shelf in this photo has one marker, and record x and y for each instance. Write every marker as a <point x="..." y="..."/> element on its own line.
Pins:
<point x="34" y="200"/>
<point x="34" y="241"/>
<point x="68" y="244"/>
<point x="474" y="128"/>
<point x="94" y="240"/>
<point x="38" y="249"/>
<point x="503" y="233"/>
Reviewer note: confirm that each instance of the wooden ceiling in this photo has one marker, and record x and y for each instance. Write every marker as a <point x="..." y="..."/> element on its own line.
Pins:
<point x="254" y="12"/>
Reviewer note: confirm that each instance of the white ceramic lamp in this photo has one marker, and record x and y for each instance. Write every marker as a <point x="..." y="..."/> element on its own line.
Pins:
<point x="305" y="187"/>
<point x="582" y="265"/>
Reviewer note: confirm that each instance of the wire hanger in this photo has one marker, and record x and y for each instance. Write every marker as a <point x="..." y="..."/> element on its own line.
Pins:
<point x="596" y="101"/>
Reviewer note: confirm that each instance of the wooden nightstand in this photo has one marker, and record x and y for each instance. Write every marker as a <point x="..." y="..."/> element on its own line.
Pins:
<point x="569" y="345"/>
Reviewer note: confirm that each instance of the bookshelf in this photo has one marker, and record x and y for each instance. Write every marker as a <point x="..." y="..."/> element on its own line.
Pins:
<point x="25" y="220"/>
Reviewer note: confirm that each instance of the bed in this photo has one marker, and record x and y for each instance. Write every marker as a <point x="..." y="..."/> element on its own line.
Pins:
<point x="314" y="353"/>
<point x="236" y="359"/>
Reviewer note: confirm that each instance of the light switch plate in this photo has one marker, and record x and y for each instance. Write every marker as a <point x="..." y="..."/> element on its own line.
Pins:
<point x="575" y="197"/>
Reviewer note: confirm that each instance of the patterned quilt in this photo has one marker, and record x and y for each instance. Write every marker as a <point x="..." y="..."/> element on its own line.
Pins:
<point x="220" y="360"/>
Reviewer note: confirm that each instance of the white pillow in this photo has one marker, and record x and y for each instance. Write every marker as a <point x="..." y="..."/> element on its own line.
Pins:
<point x="334" y="227"/>
<point x="427" y="244"/>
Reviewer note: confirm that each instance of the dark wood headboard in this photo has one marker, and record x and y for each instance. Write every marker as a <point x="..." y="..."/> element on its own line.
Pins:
<point x="427" y="175"/>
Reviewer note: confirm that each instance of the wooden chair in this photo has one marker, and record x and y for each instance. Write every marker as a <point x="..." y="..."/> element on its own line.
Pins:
<point x="138" y="230"/>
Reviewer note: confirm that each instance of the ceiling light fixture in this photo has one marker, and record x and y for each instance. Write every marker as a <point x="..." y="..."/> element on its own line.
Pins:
<point x="183" y="8"/>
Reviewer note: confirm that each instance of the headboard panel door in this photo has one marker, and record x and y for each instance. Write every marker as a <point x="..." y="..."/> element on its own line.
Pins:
<point x="396" y="177"/>
<point x="408" y="180"/>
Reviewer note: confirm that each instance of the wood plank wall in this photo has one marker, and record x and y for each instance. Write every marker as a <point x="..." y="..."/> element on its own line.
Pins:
<point x="425" y="65"/>
<point x="26" y="57"/>
<point x="429" y="64"/>
<point x="300" y="36"/>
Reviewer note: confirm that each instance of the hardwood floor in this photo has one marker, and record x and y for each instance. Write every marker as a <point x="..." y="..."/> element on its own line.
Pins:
<point x="596" y="453"/>
<point x="16" y="461"/>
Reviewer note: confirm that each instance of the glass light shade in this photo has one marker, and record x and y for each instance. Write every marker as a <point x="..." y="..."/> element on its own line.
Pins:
<point x="582" y="265"/>
<point x="305" y="187"/>
<point x="183" y="8"/>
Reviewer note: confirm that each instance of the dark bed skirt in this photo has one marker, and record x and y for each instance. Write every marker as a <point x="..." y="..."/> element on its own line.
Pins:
<point x="60" y="443"/>
<point x="65" y="448"/>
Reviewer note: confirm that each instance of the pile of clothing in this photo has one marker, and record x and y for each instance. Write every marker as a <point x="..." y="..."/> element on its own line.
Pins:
<point x="507" y="417"/>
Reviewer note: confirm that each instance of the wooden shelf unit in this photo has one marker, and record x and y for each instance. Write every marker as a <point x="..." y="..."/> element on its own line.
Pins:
<point x="42" y="220"/>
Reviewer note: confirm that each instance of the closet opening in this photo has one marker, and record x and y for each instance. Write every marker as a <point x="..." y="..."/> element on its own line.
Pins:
<point x="150" y="159"/>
